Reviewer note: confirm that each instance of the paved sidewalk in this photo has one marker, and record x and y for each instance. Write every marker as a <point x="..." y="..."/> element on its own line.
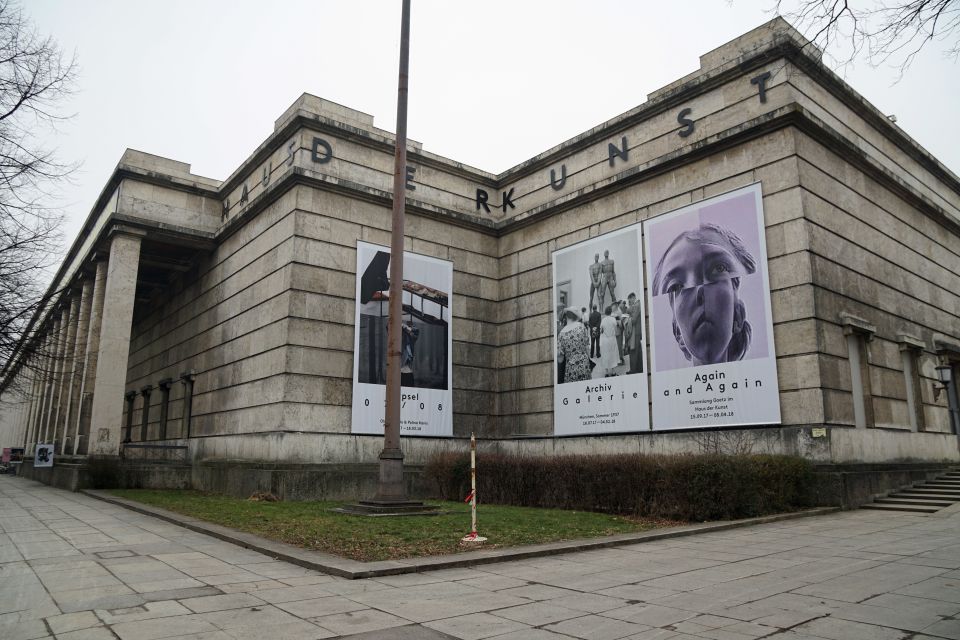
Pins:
<point x="76" y="568"/>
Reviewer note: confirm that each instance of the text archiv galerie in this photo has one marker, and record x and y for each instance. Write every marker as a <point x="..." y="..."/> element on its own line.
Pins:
<point x="709" y="382"/>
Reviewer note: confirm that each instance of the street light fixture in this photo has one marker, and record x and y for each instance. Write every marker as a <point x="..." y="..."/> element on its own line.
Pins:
<point x="945" y="375"/>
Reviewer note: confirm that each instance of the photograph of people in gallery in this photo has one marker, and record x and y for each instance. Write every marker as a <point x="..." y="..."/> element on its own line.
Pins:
<point x="607" y="333"/>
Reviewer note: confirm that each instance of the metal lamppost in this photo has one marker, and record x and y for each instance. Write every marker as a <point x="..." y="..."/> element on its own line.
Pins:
<point x="391" y="496"/>
<point x="390" y="488"/>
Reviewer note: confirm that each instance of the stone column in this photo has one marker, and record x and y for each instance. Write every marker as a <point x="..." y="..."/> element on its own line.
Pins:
<point x="34" y="404"/>
<point x="42" y="363"/>
<point x="79" y="358"/>
<point x="115" y="327"/>
<point x="69" y="362"/>
<point x="31" y="404"/>
<point x="130" y="397"/>
<point x="50" y="354"/>
<point x="187" y="380"/>
<point x="164" y="406"/>
<point x="59" y="365"/>
<point x="90" y="356"/>
<point x="145" y="391"/>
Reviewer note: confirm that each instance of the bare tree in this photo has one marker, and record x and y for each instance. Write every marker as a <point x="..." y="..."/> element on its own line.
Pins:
<point x="881" y="31"/>
<point x="35" y="77"/>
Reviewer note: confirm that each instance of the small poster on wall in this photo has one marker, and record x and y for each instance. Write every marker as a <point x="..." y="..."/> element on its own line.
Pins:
<point x="426" y="369"/>
<point x="712" y="356"/>
<point x="599" y="347"/>
<point x="43" y="456"/>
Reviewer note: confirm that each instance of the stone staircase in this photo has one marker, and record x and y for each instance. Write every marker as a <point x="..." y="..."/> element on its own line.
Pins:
<point x="926" y="497"/>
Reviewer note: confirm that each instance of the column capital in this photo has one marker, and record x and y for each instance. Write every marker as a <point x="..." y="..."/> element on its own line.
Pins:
<point x="910" y="343"/>
<point x="130" y="395"/>
<point x="854" y="325"/>
<point x="165" y="384"/>
<point x="188" y="376"/>
<point x="146" y="389"/>
<point x="125" y="230"/>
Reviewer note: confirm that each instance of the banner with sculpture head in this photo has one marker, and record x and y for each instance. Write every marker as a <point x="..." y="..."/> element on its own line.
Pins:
<point x="712" y="355"/>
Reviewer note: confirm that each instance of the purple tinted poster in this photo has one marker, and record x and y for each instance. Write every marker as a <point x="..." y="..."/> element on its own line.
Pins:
<point x="713" y="360"/>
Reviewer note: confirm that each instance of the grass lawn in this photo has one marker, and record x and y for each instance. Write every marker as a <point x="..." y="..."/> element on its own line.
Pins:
<point x="313" y="525"/>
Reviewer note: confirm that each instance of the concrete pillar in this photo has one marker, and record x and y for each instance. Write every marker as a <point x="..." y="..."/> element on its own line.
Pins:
<point x="187" y="379"/>
<point x="76" y="376"/>
<point x="34" y="404"/>
<point x="29" y="377"/>
<point x="164" y="407"/>
<point x="63" y="395"/>
<point x="58" y="376"/>
<point x="43" y="367"/>
<point x="50" y="353"/>
<point x="129" y="397"/>
<point x="90" y="356"/>
<point x="115" y="327"/>
<point x="145" y="391"/>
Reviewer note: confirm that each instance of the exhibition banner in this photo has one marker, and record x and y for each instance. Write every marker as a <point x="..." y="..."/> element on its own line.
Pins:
<point x="712" y="356"/>
<point x="600" y="381"/>
<point x="43" y="455"/>
<point x="426" y="366"/>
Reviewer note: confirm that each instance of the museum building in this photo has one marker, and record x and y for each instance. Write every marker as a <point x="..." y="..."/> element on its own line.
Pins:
<point x="209" y="322"/>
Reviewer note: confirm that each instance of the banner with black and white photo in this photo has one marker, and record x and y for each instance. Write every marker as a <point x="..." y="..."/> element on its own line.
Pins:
<point x="598" y="339"/>
<point x="426" y="366"/>
<point x="712" y="356"/>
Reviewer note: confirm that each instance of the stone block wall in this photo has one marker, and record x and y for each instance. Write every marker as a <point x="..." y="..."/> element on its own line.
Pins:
<point x="228" y="320"/>
<point x="525" y="354"/>
<point x="861" y="237"/>
<point x="876" y="257"/>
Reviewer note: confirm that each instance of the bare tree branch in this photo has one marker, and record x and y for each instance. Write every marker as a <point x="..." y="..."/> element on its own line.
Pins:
<point x="882" y="31"/>
<point x="35" y="79"/>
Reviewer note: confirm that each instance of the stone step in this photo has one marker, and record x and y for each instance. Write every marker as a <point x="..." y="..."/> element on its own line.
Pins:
<point x="942" y="483"/>
<point x="896" y="499"/>
<point x="934" y="487"/>
<point x="900" y="507"/>
<point x="923" y="496"/>
<point x="933" y="496"/>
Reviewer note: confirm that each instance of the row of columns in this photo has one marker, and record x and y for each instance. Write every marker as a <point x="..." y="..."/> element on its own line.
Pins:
<point x="186" y="379"/>
<point x="78" y="373"/>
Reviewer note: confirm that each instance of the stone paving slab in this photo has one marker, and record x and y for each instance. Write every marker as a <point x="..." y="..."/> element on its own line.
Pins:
<point x="353" y="569"/>
<point x="843" y="575"/>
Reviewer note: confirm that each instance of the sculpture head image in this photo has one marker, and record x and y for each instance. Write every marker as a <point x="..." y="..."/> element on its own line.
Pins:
<point x="700" y="272"/>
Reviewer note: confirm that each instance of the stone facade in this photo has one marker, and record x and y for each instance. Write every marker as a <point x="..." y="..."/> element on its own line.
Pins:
<point x="218" y="316"/>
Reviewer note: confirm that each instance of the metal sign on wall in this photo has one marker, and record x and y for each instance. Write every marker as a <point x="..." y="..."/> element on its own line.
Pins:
<point x="712" y="355"/>
<point x="426" y="366"/>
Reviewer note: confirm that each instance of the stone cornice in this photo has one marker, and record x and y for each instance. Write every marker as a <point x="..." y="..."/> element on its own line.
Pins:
<point x="790" y="115"/>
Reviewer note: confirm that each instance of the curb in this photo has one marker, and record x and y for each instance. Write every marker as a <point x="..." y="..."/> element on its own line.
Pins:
<point x="352" y="569"/>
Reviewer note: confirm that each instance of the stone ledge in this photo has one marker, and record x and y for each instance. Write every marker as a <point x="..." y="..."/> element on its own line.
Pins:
<point x="352" y="569"/>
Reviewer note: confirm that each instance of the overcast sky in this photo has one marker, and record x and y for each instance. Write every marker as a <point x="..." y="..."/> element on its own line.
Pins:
<point x="492" y="83"/>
